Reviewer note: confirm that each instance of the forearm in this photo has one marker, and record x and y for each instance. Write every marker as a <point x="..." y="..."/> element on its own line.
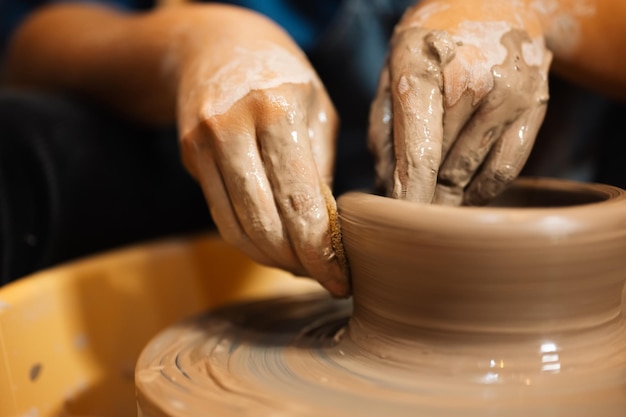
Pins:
<point x="586" y="38"/>
<point x="130" y="62"/>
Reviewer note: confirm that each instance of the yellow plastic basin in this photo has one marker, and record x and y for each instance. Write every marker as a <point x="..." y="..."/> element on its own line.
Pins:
<point x="70" y="336"/>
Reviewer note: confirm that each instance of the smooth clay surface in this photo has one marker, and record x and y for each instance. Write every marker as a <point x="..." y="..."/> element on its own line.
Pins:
<point x="501" y="311"/>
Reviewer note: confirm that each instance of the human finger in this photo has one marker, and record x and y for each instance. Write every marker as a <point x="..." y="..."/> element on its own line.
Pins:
<point x="507" y="158"/>
<point x="222" y="213"/>
<point x="380" y="142"/>
<point x="454" y="119"/>
<point x="323" y="124"/>
<point x="448" y="195"/>
<point x="475" y="141"/>
<point x="251" y="196"/>
<point x="297" y="188"/>
<point x="417" y="122"/>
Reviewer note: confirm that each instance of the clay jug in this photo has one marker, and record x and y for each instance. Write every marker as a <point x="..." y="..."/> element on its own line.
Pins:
<point x="512" y="309"/>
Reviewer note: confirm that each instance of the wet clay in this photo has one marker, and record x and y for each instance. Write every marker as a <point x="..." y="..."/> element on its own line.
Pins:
<point x="263" y="67"/>
<point x="457" y="311"/>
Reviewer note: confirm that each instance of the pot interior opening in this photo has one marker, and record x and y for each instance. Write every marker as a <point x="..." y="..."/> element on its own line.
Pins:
<point x="527" y="196"/>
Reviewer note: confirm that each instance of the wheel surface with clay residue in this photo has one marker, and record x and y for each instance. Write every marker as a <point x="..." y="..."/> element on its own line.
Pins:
<point x="509" y="311"/>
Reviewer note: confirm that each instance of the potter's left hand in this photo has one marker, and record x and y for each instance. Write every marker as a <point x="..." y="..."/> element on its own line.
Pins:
<point x="459" y="102"/>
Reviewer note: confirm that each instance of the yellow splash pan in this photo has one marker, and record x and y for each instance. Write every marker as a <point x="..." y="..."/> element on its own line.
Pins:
<point x="70" y="336"/>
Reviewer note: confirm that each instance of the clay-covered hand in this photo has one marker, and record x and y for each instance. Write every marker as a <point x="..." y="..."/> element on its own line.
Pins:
<point x="258" y="132"/>
<point x="460" y="101"/>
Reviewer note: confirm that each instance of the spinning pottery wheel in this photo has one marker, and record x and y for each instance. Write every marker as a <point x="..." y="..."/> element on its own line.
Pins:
<point x="502" y="311"/>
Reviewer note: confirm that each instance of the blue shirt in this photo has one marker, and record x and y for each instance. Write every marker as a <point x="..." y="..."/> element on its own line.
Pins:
<point x="304" y="20"/>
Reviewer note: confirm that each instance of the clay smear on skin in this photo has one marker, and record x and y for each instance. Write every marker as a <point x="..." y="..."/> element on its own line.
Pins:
<point x="479" y="49"/>
<point x="259" y="69"/>
<point x="524" y="86"/>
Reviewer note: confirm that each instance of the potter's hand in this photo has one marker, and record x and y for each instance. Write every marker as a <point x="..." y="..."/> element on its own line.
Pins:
<point x="459" y="103"/>
<point x="258" y="133"/>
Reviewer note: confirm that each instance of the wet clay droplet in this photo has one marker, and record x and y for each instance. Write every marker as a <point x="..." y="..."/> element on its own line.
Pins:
<point x="464" y="311"/>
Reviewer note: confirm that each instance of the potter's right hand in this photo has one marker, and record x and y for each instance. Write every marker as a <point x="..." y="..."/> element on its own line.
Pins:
<point x="258" y="133"/>
<point x="460" y="101"/>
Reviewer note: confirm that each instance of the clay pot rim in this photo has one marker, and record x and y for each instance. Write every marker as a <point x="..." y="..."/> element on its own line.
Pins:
<point x="593" y="217"/>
